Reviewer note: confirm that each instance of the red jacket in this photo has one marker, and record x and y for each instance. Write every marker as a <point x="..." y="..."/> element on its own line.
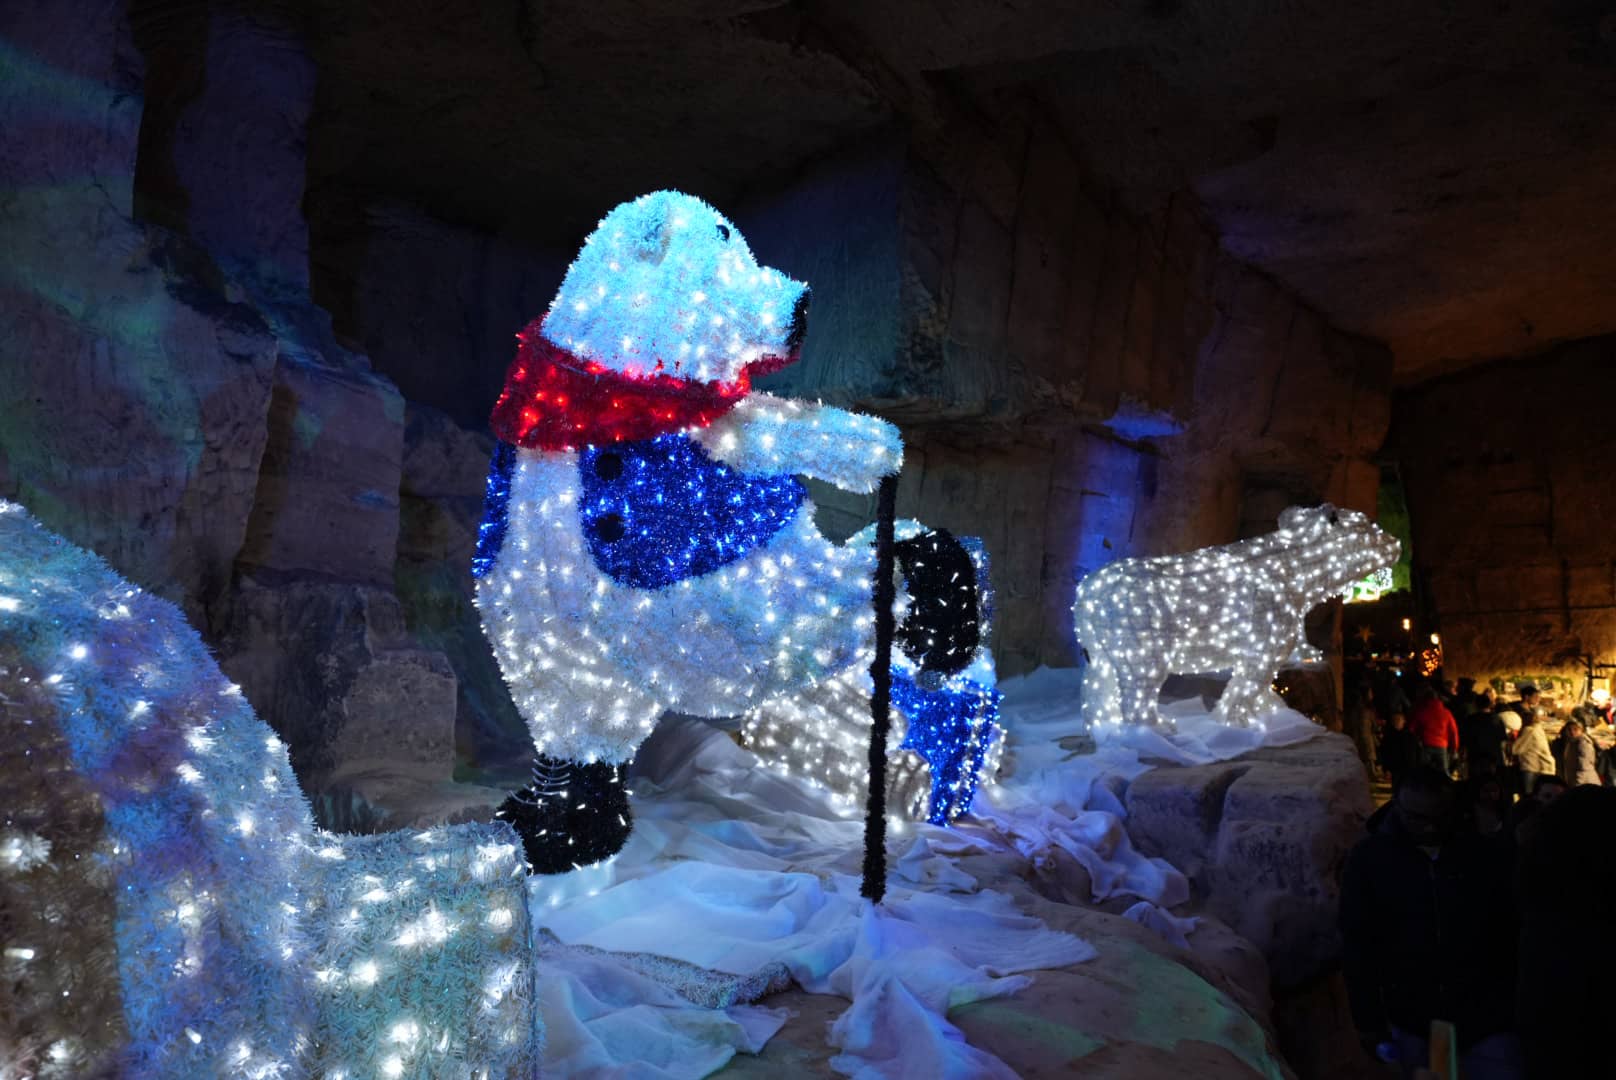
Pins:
<point x="1434" y="725"/>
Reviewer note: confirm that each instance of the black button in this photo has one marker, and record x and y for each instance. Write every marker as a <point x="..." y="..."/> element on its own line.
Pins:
<point x="609" y="527"/>
<point x="608" y="466"/>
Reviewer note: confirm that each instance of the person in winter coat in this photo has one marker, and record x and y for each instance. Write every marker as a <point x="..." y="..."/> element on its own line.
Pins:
<point x="1427" y="920"/>
<point x="1579" y="759"/>
<point x="1435" y="730"/>
<point x="1528" y="702"/>
<point x="1484" y="737"/>
<point x="1532" y="755"/>
<point x="1563" y="1011"/>
<point x="1395" y="699"/>
<point x="1399" y="752"/>
<point x="1360" y="722"/>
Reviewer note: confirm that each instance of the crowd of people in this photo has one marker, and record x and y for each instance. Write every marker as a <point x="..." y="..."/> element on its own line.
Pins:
<point x="1468" y="900"/>
<point x="1459" y="730"/>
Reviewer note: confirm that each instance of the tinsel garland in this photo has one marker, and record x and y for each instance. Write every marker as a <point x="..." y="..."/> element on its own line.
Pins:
<point x="157" y="859"/>
<point x="884" y="593"/>
<point x="554" y="400"/>
<point x="659" y="511"/>
<point x="496" y="509"/>
<point x="61" y="1005"/>
<point x="571" y="815"/>
<point x="954" y="729"/>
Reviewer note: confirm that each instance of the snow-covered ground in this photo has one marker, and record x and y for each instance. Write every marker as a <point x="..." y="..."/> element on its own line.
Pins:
<point x="749" y="879"/>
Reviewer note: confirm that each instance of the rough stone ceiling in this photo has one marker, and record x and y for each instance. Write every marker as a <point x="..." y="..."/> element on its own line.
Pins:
<point x="536" y="117"/>
<point x="1438" y="176"/>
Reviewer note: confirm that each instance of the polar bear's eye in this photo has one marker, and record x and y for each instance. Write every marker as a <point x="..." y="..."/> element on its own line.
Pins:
<point x="723" y="232"/>
<point x="1335" y="519"/>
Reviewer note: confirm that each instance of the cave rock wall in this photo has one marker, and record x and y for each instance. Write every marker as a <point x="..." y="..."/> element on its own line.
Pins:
<point x="1508" y="471"/>
<point x="173" y="399"/>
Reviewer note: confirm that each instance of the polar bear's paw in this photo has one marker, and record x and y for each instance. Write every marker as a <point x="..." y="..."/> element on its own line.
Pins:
<point x="572" y="815"/>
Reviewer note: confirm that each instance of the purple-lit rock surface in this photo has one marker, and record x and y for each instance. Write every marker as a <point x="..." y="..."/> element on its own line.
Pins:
<point x="1262" y="838"/>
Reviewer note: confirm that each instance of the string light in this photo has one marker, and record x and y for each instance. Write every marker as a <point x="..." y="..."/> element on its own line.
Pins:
<point x="942" y="630"/>
<point x="496" y="509"/>
<point x="573" y="814"/>
<point x="953" y="730"/>
<point x="171" y="907"/>
<point x="1237" y="608"/>
<point x="647" y="547"/>
<point x="945" y="725"/>
<point x="1371" y="588"/>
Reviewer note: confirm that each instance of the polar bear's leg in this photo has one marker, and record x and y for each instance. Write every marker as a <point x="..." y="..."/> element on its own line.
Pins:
<point x="823" y="734"/>
<point x="1140" y="682"/>
<point x="1102" y="695"/>
<point x="1305" y="652"/>
<point x="953" y="725"/>
<point x="1249" y="694"/>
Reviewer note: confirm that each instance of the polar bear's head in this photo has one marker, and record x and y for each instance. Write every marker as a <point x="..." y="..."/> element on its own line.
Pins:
<point x="666" y="285"/>
<point x="1345" y="543"/>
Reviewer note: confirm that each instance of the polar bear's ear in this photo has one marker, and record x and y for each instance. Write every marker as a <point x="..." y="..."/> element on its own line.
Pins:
<point x="1293" y="517"/>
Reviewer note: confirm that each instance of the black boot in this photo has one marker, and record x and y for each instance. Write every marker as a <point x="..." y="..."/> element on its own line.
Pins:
<point x="571" y="815"/>
<point x="944" y="625"/>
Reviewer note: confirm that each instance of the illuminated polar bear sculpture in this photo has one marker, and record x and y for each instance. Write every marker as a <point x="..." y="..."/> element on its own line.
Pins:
<point x="1236" y="608"/>
<point x="647" y="544"/>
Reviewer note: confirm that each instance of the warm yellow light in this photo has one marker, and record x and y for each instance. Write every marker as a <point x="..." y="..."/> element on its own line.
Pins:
<point x="1436" y="639"/>
<point x="1408" y="624"/>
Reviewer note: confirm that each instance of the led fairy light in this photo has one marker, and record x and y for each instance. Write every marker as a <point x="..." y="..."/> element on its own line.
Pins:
<point x="237" y="939"/>
<point x="945" y="721"/>
<point x="1237" y="608"/>
<point x="647" y="545"/>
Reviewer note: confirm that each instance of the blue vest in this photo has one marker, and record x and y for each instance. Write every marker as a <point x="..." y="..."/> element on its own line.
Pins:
<point x="657" y="512"/>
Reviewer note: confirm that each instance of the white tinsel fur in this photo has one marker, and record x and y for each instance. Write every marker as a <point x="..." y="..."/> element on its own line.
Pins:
<point x="770" y="435"/>
<point x="666" y="279"/>
<point x="245" y="937"/>
<point x="593" y="664"/>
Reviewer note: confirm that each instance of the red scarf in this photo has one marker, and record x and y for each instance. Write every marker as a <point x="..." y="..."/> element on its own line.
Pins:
<point x="554" y="400"/>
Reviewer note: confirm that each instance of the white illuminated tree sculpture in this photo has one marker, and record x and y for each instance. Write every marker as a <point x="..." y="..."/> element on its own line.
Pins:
<point x="1238" y="608"/>
<point x="648" y="544"/>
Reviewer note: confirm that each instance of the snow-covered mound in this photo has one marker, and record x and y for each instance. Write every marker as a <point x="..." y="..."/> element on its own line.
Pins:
<point x="737" y="870"/>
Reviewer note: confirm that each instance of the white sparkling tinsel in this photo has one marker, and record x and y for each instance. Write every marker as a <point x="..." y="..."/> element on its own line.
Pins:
<point x="248" y="942"/>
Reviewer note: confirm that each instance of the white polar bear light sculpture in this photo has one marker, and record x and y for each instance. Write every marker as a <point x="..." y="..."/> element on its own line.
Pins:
<point x="1236" y="608"/>
<point x="647" y="544"/>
